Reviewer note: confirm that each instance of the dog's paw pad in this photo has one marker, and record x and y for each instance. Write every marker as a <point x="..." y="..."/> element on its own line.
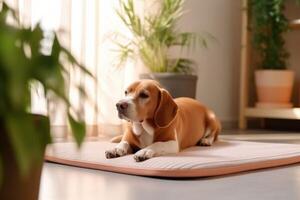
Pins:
<point x="115" y="153"/>
<point x="110" y="154"/>
<point x="120" y="152"/>
<point x="140" y="158"/>
<point x="143" y="155"/>
<point x="205" y="142"/>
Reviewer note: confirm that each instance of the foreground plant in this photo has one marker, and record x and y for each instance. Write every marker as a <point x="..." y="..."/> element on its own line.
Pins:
<point x="28" y="56"/>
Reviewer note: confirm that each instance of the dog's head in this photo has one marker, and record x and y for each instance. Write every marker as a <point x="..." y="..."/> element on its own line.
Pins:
<point x="147" y="100"/>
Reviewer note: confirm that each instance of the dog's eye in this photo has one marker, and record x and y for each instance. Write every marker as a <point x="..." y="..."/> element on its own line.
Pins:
<point x="143" y="95"/>
<point x="126" y="92"/>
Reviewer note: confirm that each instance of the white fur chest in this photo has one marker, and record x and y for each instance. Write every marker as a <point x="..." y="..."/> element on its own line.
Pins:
<point x="144" y="132"/>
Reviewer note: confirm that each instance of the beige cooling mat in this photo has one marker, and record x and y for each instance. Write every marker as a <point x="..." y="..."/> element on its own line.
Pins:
<point x="224" y="157"/>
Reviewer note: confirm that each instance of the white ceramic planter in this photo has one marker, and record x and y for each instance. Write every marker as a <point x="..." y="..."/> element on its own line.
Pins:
<point x="274" y="88"/>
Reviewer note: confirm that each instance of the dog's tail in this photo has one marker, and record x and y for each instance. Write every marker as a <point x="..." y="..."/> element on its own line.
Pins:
<point x="213" y="125"/>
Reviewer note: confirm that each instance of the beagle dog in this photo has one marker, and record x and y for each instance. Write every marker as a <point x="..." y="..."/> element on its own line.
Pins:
<point x="157" y="124"/>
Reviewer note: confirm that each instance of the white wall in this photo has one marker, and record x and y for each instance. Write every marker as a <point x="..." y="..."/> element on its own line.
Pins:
<point x="218" y="71"/>
<point x="218" y="66"/>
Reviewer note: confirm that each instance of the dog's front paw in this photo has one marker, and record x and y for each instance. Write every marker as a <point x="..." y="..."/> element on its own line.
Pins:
<point x="114" y="153"/>
<point x="122" y="149"/>
<point x="143" y="154"/>
<point x="206" y="142"/>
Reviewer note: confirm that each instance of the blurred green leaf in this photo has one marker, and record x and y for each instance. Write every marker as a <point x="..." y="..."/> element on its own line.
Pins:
<point x="42" y="126"/>
<point x="5" y="10"/>
<point x="75" y="62"/>
<point x="56" y="49"/>
<point x="34" y="38"/>
<point x="78" y="129"/>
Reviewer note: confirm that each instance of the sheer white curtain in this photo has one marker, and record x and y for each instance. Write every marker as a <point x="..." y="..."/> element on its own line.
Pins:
<point x="84" y="27"/>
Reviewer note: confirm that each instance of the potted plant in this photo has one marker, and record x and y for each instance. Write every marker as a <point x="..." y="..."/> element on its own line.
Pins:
<point x="23" y="136"/>
<point x="154" y="34"/>
<point x="274" y="82"/>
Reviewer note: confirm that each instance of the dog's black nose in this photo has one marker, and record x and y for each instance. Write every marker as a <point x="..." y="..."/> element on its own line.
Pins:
<point x="122" y="106"/>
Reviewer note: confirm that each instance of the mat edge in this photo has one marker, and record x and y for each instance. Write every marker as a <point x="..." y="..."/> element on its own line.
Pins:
<point x="183" y="173"/>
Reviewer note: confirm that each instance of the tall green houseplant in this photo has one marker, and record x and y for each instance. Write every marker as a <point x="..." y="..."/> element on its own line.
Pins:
<point x="269" y="25"/>
<point x="274" y="82"/>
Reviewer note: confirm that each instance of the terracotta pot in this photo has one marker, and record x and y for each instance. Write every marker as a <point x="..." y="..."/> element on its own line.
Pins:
<point x="16" y="186"/>
<point x="274" y="88"/>
<point x="179" y="85"/>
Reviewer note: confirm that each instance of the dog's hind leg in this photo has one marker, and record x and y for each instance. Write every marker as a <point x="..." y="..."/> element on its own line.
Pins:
<point x="116" y="139"/>
<point x="213" y="127"/>
<point x="208" y="139"/>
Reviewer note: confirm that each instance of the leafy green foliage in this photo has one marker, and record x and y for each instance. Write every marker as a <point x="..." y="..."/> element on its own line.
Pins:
<point x="25" y="60"/>
<point x="153" y="36"/>
<point x="268" y="25"/>
<point x="77" y="128"/>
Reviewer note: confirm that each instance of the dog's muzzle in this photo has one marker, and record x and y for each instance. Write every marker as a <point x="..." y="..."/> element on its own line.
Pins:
<point x="122" y="108"/>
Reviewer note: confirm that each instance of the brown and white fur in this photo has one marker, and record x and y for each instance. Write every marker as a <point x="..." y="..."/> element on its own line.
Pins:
<point x="157" y="124"/>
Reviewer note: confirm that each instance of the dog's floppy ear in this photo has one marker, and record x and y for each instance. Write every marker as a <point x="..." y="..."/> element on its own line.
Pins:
<point x="166" y="110"/>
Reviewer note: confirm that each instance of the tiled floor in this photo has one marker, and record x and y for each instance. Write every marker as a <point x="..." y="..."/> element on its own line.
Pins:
<point x="70" y="183"/>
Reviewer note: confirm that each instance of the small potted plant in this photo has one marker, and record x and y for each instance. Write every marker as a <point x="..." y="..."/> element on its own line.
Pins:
<point x="23" y="135"/>
<point x="274" y="82"/>
<point x="153" y="35"/>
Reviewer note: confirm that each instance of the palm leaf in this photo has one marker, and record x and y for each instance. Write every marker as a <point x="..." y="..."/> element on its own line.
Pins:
<point x="78" y="129"/>
<point x="154" y="34"/>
